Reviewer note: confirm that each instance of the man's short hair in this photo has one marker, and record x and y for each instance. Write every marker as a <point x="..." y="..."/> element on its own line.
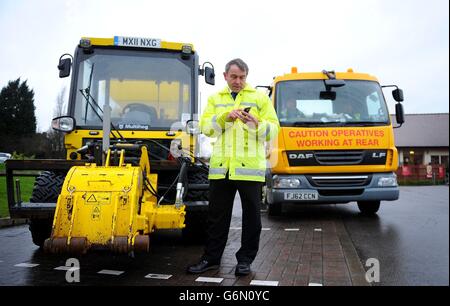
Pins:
<point x="238" y="62"/>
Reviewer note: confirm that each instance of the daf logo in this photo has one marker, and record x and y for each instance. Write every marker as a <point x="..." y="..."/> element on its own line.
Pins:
<point x="300" y="156"/>
<point x="378" y="155"/>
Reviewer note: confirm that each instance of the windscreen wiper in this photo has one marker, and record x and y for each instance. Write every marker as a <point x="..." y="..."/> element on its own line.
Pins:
<point x="318" y="123"/>
<point x="365" y="123"/>
<point x="302" y="123"/>
<point x="86" y="93"/>
<point x="87" y="90"/>
<point x="86" y="97"/>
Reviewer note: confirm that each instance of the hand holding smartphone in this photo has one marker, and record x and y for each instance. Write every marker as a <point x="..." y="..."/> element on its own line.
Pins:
<point x="249" y="119"/>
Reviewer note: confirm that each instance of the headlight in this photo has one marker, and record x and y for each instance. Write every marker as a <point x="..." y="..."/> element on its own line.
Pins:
<point x="286" y="182"/>
<point x="389" y="181"/>
<point x="64" y="124"/>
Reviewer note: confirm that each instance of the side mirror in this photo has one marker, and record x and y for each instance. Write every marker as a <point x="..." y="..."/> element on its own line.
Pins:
<point x="210" y="76"/>
<point x="64" y="124"/>
<point x="192" y="127"/>
<point x="399" y="115"/>
<point x="268" y="89"/>
<point x="64" y="67"/>
<point x="397" y="94"/>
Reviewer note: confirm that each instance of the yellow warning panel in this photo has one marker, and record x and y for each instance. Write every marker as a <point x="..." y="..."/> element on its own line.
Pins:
<point x="98" y="198"/>
<point x="96" y="211"/>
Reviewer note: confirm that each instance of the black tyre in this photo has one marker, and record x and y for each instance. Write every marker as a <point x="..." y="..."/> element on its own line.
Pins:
<point x="368" y="207"/>
<point x="275" y="209"/>
<point x="197" y="177"/>
<point x="196" y="217"/>
<point x="40" y="229"/>
<point x="47" y="188"/>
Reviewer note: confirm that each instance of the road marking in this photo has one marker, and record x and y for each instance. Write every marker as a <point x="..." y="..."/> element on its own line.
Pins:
<point x="1" y="260"/>
<point x="209" y="279"/>
<point x="291" y="229"/>
<point x="110" y="272"/>
<point x="315" y="285"/>
<point x="239" y="228"/>
<point x="317" y="229"/>
<point x="26" y="265"/>
<point x="263" y="283"/>
<point x="67" y="268"/>
<point x="158" y="276"/>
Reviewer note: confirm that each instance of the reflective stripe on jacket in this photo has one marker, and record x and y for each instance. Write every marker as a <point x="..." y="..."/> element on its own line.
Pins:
<point x="238" y="148"/>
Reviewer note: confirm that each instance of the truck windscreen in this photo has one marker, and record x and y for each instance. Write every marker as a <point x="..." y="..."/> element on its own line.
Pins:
<point x="309" y="102"/>
<point x="145" y="90"/>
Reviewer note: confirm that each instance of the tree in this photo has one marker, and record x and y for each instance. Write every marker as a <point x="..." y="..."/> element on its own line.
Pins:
<point x="17" y="118"/>
<point x="60" y="103"/>
<point x="56" y="138"/>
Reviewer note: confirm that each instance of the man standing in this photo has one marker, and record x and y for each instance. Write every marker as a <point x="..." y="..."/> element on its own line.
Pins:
<point x="242" y="119"/>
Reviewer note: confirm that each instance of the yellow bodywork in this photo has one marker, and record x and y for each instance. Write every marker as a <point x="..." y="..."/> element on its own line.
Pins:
<point x="348" y="75"/>
<point x="74" y="139"/>
<point x="109" y="207"/>
<point x="168" y="45"/>
<point x="335" y="138"/>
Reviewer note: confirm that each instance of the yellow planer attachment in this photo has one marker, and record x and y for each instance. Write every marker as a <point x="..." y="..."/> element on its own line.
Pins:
<point x="110" y="207"/>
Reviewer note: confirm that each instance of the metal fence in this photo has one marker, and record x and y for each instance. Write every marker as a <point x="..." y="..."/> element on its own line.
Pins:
<point x="431" y="174"/>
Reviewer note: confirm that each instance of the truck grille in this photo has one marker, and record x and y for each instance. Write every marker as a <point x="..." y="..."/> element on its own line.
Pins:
<point x="339" y="181"/>
<point x="336" y="158"/>
<point x="339" y="157"/>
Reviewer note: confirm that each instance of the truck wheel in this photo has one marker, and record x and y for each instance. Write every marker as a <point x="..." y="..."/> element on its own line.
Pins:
<point x="40" y="229"/>
<point x="47" y="188"/>
<point x="275" y="209"/>
<point x="196" y="219"/>
<point x="198" y="177"/>
<point x="368" y="207"/>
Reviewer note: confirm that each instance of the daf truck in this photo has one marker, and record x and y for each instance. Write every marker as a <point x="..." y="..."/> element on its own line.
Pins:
<point x="336" y="143"/>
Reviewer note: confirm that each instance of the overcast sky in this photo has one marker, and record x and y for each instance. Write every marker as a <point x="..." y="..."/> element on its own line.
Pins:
<point x="400" y="42"/>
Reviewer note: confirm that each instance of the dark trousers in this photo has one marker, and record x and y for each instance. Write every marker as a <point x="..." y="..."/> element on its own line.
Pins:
<point x="221" y="197"/>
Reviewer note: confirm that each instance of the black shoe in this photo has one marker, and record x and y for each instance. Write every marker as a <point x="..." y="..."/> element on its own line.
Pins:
<point x="202" y="266"/>
<point x="242" y="269"/>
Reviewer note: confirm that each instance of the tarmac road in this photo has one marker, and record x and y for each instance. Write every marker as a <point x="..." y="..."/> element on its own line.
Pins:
<point x="410" y="237"/>
<point x="309" y="245"/>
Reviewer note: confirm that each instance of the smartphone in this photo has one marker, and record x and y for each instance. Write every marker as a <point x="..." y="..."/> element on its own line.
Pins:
<point x="247" y="109"/>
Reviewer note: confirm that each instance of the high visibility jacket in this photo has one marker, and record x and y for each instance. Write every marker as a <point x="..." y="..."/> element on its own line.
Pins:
<point x="239" y="149"/>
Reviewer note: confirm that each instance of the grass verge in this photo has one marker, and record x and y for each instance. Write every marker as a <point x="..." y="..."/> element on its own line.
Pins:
<point x="26" y="186"/>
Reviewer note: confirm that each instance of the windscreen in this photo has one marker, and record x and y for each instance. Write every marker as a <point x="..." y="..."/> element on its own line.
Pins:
<point x="145" y="90"/>
<point x="311" y="102"/>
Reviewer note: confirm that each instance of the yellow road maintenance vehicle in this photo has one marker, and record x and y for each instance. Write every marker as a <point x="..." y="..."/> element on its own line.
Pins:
<point x="132" y="163"/>
<point x="336" y="143"/>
